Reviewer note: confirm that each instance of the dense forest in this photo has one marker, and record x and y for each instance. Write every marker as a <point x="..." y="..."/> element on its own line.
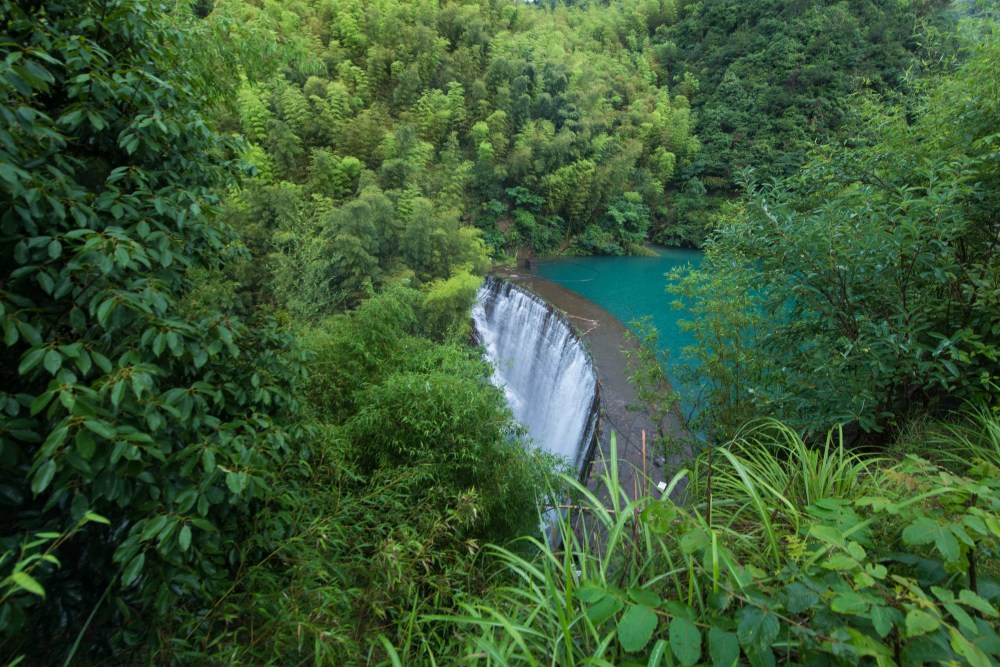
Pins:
<point x="241" y="419"/>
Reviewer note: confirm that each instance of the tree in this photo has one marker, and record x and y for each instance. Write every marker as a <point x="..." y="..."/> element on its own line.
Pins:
<point x="876" y="269"/>
<point x="113" y="402"/>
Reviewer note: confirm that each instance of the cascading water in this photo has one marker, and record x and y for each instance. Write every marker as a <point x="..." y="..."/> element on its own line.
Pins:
<point x="546" y="372"/>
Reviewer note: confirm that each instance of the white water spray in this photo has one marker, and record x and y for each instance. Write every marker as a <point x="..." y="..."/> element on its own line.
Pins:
<point x="544" y="369"/>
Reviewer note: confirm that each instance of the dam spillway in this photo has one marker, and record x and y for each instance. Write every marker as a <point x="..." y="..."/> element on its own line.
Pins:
<point x="544" y="369"/>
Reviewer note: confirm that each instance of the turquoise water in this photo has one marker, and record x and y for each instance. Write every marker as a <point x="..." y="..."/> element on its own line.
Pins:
<point x="629" y="288"/>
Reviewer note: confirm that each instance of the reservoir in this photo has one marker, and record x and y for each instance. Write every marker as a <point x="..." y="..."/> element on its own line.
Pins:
<point x="630" y="288"/>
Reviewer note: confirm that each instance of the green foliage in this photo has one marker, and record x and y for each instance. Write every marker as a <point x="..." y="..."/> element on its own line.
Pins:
<point x="867" y="284"/>
<point x="646" y="372"/>
<point x="446" y="302"/>
<point x="889" y="577"/>
<point x="461" y="103"/>
<point x="114" y="402"/>
<point x="721" y="366"/>
<point x="769" y="478"/>
<point x="772" y="77"/>
<point x="181" y="482"/>
<point x="407" y="403"/>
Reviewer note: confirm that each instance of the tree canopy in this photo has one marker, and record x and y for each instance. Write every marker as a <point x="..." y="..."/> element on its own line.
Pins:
<point x="241" y="419"/>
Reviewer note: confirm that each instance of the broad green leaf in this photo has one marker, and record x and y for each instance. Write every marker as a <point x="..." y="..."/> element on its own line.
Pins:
<point x="236" y="481"/>
<point x="719" y="600"/>
<point x="28" y="583"/>
<point x="942" y="594"/>
<point x="30" y="333"/>
<point x="117" y="393"/>
<point x="133" y="569"/>
<point x="693" y="540"/>
<point x="961" y="616"/>
<point x="30" y="360"/>
<point x="101" y="428"/>
<point x="85" y="444"/>
<point x="10" y="333"/>
<point x="799" y="598"/>
<point x="184" y="538"/>
<point x="724" y="647"/>
<point x="54" y="441"/>
<point x="849" y="603"/>
<point x="920" y="622"/>
<point x="53" y="361"/>
<point x="153" y="527"/>
<point x="604" y="609"/>
<point x="947" y="545"/>
<point x="685" y="640"/>
<point x="208" y="463"/>
<point x="970" y="599"/>
<point x="968" y="650"/>
<point x="644" y="597"/>
<point x="921" y="531"/>
<point x="828" y="534"/>
<point x="588" y="591"/>
<point x="881" y="620"/>
<point x="757" y="628"/>
<point x="43" y="477"/>
<point x="635" y="628"/>
<point x="40" y="402"/>
<point x="840" y="562"/>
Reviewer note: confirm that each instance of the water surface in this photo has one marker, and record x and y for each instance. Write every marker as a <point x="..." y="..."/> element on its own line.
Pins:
<point x="629" y="288"/>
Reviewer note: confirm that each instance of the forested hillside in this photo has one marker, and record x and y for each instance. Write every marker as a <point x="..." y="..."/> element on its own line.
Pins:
<point x="544" y="129"/>
<point x="777" y="76"/>
<point x="241" y="420"/>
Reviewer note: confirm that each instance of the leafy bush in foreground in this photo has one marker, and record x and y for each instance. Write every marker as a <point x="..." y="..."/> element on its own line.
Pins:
<point x="898" y="570"/>
<point x="113" y="401"/>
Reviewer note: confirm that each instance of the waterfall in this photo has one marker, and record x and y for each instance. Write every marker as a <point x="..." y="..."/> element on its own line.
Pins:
<point x="544" y="369"/>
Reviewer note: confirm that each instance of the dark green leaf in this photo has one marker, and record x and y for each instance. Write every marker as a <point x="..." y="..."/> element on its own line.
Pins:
<point x="30" y="360"/>
<point x="881" y="620"/>
<point x="685" y="640"/>
<point x="85" y="443"/>
<point x="644" y="597"/>
<point x="43" y="477"/>
<point x="133" y="569"/>
<point x="799" y="598"/>
<point x="53" y="361"/>
<point x="604" y="609"/>
<point x="724" y="647"/>
<point x="588" y="591"/>
<point x="101" y="428"/>
<point x="757" y="628"/>
<point x="636" y="627"/>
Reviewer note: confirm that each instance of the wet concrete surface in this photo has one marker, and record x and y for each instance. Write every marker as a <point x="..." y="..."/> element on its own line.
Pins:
<point x="641" y="468"/>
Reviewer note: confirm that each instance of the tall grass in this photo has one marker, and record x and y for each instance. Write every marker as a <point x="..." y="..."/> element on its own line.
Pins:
<point x="543" y="614"/>
<point x="765" y="480"/>
<point x="974" y="435"/>
<point x="788" y="545"/>
<point x="643" y="549"/>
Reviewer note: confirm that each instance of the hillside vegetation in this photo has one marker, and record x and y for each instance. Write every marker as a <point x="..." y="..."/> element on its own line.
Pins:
<point x="240" y="417"/>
